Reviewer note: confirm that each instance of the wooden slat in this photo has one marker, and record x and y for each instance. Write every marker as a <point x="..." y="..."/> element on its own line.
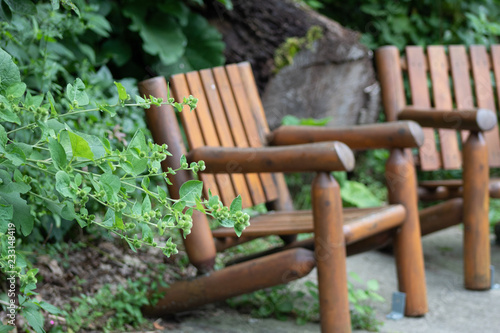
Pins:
<point x="494" y="145"/>
<point x="439" y="69"/>
<point x="223" y="132"/>
<point x="260" y="116"/>
<point x="484" y="95"/>
<point x="460" y="73"/>
<point x="251" y="127"/>
<point x="358" y="223"/>
<point x="237" y="130"/>
<point x="208" y="132"/>
<point x="254" y="100"/>
<point x="429" y="158"/>
<point x="193" y="132"/>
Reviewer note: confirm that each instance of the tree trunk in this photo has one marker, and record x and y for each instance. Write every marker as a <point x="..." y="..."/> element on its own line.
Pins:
<point x="333" y="78"/>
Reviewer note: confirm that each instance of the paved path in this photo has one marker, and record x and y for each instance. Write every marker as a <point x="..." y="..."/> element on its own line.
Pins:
<point x="451" y="308"/>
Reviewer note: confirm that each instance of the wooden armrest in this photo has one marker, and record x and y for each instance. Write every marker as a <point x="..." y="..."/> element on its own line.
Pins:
<point x="325" y="156"/>
<point x="477" y="120"/>
<point x="401" y="134"/>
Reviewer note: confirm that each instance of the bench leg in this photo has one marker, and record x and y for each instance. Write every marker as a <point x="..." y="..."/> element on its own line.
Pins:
<point x="402" y="188"/>
<point x="330" y="255"/>
<point x="476" y="207"/>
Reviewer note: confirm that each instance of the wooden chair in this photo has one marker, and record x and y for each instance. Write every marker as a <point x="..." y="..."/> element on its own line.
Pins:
<point x="228" y="130"/>
<point x="451" y="89"/>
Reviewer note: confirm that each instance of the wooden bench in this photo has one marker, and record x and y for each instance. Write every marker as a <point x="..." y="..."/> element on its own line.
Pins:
<point x="228" y="130"/>
<point x="451" y="92"/>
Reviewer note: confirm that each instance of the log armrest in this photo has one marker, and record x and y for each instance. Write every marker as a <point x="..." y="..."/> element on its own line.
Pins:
<point x="400" y="134"/>
<point x="324" y="156"/>
<point x="477" y="120"/>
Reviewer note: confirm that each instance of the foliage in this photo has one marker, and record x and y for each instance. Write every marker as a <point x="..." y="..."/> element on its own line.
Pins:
<point x="354" y="192"/>
<point x="48" y="168"/>
<point x="409" y="22"/>
<point x="120" y="307"/>
<point x="70" y="149"/>
<point x="282" y="303"/>
<point x="290" y="120"/>
<point x="285" y="53"/>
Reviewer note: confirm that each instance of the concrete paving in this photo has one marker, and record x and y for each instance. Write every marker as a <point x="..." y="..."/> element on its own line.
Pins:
<point x="452" y="309"/>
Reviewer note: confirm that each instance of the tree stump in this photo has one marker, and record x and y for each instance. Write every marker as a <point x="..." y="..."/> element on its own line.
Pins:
<point x="334" y="78"/>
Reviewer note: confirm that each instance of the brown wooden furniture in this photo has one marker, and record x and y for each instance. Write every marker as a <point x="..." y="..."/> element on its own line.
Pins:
<point x="228" y="130"/>
<point x="451" y="89"/>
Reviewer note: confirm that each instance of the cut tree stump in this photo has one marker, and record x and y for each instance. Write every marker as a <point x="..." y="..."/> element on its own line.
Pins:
<point x="334" y="78"/>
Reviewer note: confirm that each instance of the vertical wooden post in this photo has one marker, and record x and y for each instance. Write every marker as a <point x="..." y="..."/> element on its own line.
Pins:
<point x="402" y="187"/>
<point x="164" y="127"/>
<point x="476" y="221"/>
<point x="330" y="255"/>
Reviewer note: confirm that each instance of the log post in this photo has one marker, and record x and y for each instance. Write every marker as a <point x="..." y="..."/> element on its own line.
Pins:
<point x="402" y="188"/>
<point x="164" y="127"/>
<point x="330" y="254"/>
<point x="476" y="208"/>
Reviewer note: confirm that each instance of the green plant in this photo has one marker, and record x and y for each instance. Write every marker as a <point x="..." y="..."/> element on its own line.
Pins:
<point x="425" y="22"/>
<point x="302" y="303"/>
<point x="112" y="308"/>
<point x="48" y="168"/>
<point x="353" y="192"/>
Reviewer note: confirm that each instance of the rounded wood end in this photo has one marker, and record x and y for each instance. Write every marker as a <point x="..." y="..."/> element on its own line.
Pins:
<point x="486" y="119"/>
<point x="346" y="156"/>
<point x="417" y="132"/>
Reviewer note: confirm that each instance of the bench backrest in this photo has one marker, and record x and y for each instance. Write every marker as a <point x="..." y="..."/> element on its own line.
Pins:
<point x="229" y="114"/>
<point x="444" y="78"/>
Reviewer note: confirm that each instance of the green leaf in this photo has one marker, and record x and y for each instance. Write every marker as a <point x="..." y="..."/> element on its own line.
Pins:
<point x="111" y="185"/>
<point x="228" y="223"/>
<point x="372" y="285"/>
<point x="76" y="94"/>
<point x="79" y="146"/>
<point x="55" y="4"/>
<point x="179" y="206"/>
<point x="9" y="73"/>
<point x="58" y="154"/>
<point x="161" y="35"/>
<point x="6" y="214"/>
<point x="15" y="154"/>
<point x="6" y="112"/>
<point x="213" y="200"/>
<point x="290" y="120"/>
<point x="146" y="205"/>
<point x="138" y="142"/>
<point x="204" y="48"/>
<point x="50" y="308"/>
<point x="358" y="195"/>
<point x="6" y="328"/>
<point x="25" y="7"/>
<point x="236" y="205"/>
<point x="34" y="318"/>
<point x="191" y="190"/>
<point x="63" y="182"/>
<point x="68" y="212"/>
<point x="145" y="183"/>
<point x="118" y="223"/>
<point x="199" y="206"/>
<point x="16" y="90"/>
<point x="122" y="92"/>
<point x="3" y="136"/>
<point x="21" y="211"/>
